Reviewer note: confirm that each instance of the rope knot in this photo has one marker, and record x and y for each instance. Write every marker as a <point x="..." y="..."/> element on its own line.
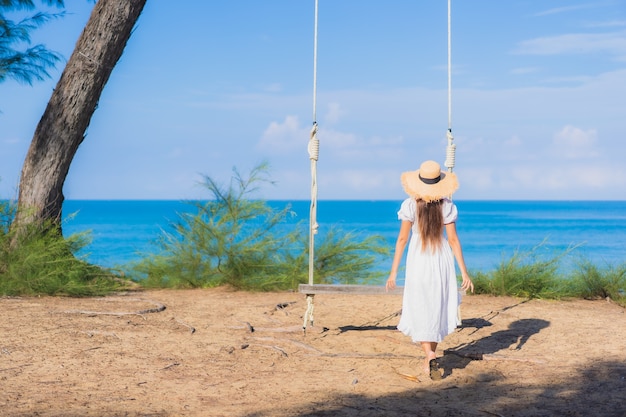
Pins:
<point x="314" y="144"/>
<point x="450" y="151"/>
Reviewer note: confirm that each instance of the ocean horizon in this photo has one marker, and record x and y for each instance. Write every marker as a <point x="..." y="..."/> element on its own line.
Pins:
<point x="124" y="231"/>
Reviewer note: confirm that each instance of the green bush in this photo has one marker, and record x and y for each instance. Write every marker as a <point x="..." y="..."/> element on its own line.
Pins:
<point x="39" y="260"/>
<point x="525" y="274"/>
<point x="346" y="258"/>
<point x="591" y="281"/>
<point x="235" y="240"/>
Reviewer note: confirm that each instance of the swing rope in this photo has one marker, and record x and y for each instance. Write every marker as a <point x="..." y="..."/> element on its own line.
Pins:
<point x="451" y="148"/>
<point x="313" y="148"/>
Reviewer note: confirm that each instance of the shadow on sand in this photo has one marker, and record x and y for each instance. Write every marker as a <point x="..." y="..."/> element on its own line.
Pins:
<point x="599" y="390"/>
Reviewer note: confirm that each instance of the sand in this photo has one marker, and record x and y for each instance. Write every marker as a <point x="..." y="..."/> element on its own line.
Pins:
<point x="215" y="352"/>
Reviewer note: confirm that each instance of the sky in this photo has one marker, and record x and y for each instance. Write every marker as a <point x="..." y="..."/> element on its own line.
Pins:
<point x="204" y="88"/>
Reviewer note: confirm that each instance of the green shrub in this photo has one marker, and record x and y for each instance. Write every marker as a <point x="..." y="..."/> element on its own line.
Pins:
<point x="344" y="257"/>
<point x="525" y="274"/>
<point x="591" y="281"/>
<point x="39" y="260"/>
<point x="244" y="243"/>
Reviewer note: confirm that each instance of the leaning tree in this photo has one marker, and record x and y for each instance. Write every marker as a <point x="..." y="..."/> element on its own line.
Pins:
<point x="68" y="113"/>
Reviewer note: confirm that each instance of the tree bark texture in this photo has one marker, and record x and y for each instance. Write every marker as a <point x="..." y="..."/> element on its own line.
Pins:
<point x="66" y="118"/>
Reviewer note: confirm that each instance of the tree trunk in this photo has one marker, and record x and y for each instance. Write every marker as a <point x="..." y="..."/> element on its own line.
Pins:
<point x="66" y="118"/>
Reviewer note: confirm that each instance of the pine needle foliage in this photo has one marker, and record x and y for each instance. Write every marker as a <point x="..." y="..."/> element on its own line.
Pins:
<point x="18" y="59"/>
<point x="40" y="261"/>
<point x="233" y="239"/>
<point x="345" y="257"/>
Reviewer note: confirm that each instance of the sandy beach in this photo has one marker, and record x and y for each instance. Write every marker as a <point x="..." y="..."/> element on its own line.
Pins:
<point x="216" y="352"/>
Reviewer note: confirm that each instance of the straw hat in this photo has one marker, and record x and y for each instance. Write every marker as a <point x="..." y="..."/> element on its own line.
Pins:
<point x="429" y="183"/>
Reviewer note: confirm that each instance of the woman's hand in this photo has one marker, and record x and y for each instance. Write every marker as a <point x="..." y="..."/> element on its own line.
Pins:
<point x="391" y="283"/>
<point x="467" y="283"/>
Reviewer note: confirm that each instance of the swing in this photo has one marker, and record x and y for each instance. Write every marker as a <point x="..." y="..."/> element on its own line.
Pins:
<point x="311" y="288"/>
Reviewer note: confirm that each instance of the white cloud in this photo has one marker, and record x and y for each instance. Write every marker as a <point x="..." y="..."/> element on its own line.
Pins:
<point x="607" y="24"/>
<point x="284" y="137"/>
<point x="565" y="9"/>
<point x="524" y="177"/>
<point x="477" y="178"/>
<point x="274" y="88"/>
<point x="333" y="113"/>
<point x="539" y="180"/>
<point x="523" y="71"/>
<point x="513" y="141"/>
<point x="12" y="141"/>
<point x="386" y="141"/>
<point x="592" y="176"/>
<point x="338" y="140"/>
<point x="574" y="143"/>
<point x="578" y="43"/>
<point x="360" y="179"/>
<point x="360" y="183"/>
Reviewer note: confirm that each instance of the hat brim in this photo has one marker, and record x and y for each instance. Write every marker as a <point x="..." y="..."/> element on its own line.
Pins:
<point x="416" y="188"/>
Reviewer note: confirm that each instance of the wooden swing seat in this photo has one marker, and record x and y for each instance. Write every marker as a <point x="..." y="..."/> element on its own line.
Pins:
<point x="347" y="289"/>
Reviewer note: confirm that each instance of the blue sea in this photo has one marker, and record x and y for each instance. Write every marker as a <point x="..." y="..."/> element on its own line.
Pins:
<point x="490" y="231"/>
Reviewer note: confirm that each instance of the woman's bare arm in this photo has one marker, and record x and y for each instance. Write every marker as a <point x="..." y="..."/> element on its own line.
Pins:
<point x="403" y="238"/>
<point x="455" y="245"/>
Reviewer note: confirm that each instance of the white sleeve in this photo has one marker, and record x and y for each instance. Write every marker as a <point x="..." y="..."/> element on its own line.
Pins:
<point x="407" y="210"/>
<point x="450" y="212"/>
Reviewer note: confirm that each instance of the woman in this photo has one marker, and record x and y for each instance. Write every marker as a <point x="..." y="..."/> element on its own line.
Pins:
<point x="430" y="301"/>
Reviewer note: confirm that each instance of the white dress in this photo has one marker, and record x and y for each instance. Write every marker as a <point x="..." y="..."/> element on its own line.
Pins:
<point x="430" y="300"/>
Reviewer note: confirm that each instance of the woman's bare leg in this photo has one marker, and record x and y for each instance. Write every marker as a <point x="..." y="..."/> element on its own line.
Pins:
<point x="430" y="349"/>
<point x="429" y="353"/>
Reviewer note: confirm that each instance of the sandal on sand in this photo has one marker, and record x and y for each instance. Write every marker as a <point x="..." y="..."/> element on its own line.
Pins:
<point x="435" y="375"/>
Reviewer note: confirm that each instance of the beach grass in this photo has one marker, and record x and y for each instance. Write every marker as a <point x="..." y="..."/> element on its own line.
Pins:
<point x="594" y="281"/>
<point x="525" y="274"/>
<point x="529" y="275"/>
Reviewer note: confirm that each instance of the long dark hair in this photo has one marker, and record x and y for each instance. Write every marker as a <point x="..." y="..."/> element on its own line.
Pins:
<point x="430" y="223"/>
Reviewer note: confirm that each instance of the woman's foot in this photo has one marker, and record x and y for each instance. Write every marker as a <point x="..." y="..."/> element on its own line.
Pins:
<point x="433" y="370"/>
<point x="426" y="368"/>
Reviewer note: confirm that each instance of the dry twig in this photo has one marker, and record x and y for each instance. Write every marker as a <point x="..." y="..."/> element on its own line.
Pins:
<point x="159" y="307"/>
<point x="191" y="328"/>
